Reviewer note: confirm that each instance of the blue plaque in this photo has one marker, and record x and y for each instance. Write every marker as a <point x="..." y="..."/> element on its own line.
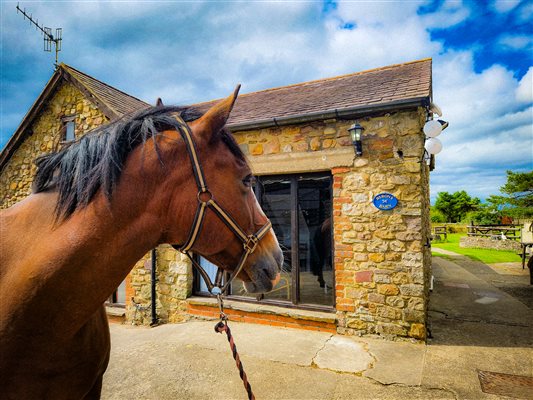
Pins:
<point x="385" y="201"/>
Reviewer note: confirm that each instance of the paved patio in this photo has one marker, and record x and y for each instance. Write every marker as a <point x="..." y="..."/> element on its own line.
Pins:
<point x="475" y="326"/>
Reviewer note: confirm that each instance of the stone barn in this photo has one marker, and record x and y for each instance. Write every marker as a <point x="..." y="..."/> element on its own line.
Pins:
<point x="351" y="216"/>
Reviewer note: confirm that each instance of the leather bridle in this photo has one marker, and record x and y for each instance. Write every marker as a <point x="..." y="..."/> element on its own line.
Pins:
<point x="205" y="201"/>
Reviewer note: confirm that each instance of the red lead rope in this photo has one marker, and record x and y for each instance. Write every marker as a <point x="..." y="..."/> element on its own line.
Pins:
<point x="222" y="326"/>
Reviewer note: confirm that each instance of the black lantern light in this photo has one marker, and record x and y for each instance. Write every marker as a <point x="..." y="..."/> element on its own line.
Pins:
<point x="355" y="132"/>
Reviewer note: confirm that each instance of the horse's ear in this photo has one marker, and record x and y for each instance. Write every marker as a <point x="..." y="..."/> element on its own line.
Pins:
<point x="159" y="102"/>
<point x="215" y="118"/>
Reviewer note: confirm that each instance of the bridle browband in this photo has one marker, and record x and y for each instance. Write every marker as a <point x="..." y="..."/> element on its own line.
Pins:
<point x="205" y="201"/>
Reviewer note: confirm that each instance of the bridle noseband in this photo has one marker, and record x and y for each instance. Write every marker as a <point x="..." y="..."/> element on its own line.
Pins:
<point x="205" y="201"/>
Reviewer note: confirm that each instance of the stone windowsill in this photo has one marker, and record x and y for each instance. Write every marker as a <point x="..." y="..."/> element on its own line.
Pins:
<point x="319" y="316"/>
<point x="115" y="311"/>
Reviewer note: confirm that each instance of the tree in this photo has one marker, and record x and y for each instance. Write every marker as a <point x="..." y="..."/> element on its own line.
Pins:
<point x="486" y="214"/>
<point x="517" y="201"/>
<point x="436" y="216"/>
<point x="455" y="206"/>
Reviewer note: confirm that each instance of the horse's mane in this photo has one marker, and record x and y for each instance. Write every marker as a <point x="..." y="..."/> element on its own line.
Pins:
<point x="95" y="161"/>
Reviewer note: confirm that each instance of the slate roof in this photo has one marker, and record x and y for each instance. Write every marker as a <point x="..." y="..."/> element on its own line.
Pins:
<point x="387" y="85"/>
<point x="118" y="102"/>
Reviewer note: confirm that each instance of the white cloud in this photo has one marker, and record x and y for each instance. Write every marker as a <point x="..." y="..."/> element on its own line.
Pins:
<point x="515" y="42"/>
<point x="467" y="97"/>
<point x="524" y="91"/>
<point x="503" y="6"/>
<point x="194" y="51"/>
<point x="449" y="14"/>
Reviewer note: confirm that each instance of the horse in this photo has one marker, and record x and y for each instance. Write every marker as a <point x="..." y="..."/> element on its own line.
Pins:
<point x="97" y="206"/>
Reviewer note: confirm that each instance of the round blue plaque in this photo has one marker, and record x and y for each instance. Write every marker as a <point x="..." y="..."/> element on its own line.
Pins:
<point x="385" y="201"/>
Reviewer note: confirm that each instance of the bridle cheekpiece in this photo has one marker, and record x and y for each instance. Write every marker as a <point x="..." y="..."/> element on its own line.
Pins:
<point x="205" y="201"/>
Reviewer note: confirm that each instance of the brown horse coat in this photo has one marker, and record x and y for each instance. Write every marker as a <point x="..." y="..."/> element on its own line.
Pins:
<point x="55" y="274"/>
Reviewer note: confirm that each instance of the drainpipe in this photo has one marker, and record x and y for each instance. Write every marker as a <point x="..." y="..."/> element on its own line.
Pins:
<point x="153" y="274"/>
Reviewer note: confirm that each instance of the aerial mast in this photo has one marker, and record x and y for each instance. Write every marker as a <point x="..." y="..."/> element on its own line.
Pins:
<point x="47" y="34"/>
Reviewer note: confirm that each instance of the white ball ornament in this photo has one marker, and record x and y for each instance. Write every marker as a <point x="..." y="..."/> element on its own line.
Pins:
<point x="432" y="128"/>
<point x="433" y="146"/>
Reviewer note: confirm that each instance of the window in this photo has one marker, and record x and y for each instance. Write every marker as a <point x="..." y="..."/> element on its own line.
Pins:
<point x="299" y="207"/>
<point x="69" y="128"/>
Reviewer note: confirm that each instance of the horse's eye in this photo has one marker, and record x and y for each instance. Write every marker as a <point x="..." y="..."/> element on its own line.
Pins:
<point x="249" y="181"/>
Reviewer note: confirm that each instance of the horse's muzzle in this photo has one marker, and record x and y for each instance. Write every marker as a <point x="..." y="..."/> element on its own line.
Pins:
<point x="264" y="273"/>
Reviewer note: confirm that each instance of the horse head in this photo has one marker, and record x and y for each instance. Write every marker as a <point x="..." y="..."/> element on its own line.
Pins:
<point x="232" y="215"/>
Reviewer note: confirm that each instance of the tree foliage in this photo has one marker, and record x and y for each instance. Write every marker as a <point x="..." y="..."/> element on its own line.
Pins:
<point x="436" y="216"/>
<point x="455" y="206"/>
<point x="517" y="198"/>
<point x="486" y="214"/>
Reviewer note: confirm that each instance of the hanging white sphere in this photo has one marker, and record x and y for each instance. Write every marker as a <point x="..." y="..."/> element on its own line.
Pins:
<point x="433" y="146"/>
<point x="432" y="128"/>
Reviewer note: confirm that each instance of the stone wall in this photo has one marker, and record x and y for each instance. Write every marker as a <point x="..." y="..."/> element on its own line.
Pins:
<point x="174" y="279"/>
<point x="382" y="266"/>
<point x="382" y="263"/>
<point x="47" y="134"/>
<point x="488" y="243"/>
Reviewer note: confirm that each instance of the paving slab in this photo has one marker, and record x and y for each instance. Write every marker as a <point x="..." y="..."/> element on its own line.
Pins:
<point x="344" y="354"/>
<point x="264" y="342"/>
<point x="396" y="362"/>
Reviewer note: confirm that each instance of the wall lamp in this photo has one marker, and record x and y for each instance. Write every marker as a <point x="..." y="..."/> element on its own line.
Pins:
<point x="355" y="132"/>
<point x="432" y="129"/>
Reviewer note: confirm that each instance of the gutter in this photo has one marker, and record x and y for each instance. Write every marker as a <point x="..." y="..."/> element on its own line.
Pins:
<point x="343" y="113"/>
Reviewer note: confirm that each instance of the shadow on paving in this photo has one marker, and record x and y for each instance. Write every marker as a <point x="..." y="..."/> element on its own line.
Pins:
<point x="516" y="286"/>
<point x="472" y="305"/>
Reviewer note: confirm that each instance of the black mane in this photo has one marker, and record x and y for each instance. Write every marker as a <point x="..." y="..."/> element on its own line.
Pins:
<point x="95" y="160"/>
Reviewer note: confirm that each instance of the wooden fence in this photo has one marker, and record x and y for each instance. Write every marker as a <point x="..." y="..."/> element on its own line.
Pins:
<point x="504" y="232"/>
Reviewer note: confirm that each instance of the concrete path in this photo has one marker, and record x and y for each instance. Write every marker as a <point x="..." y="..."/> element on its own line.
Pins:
<point x="474" y="326"/>
<point x="443" y="251"/>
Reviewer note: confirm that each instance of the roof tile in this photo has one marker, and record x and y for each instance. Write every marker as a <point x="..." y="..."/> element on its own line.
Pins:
<point x="118" y="101"/>
<point x="392" y="83"/>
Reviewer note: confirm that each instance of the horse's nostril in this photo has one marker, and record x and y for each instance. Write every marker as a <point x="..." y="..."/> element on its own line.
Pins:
<point x="269" y="273"/>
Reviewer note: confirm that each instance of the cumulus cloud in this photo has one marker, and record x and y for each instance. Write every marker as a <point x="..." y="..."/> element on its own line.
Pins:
<point x="524" y="91"/>
<point x="187" y="52"/>
<point x="515" y="42"/>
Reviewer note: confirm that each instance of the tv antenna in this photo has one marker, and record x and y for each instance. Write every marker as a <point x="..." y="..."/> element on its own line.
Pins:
<point x="47" y="33"/>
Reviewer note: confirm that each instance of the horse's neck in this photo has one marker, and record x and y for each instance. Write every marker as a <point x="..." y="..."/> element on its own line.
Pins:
<point x="66" y="271"/>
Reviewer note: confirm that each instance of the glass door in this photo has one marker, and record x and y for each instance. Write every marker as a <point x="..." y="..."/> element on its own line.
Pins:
<point x="299" y="207"/>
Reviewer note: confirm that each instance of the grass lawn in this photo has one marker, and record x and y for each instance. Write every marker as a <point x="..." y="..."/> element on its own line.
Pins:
<point x="486" y="256"/>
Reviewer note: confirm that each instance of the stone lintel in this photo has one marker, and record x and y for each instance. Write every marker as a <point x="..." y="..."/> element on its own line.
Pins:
<point x="292" y="163"/>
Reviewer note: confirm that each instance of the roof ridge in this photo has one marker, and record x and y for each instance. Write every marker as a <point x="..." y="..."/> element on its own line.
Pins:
<point x="378" y="69"/>
<point x="69" y="67"/>
<point x="341" y="76"/>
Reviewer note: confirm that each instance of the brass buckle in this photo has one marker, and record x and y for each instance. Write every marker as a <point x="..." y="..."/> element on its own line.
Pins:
<point x="251" y="243"/>
<point x="204" y="194"/>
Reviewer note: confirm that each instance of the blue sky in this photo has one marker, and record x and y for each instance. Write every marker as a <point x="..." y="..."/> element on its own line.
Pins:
<point x="193" y="51"/>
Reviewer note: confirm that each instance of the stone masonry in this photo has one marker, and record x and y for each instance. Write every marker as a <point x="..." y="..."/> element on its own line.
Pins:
<point x="47" y="134"/>
<point x="489" y="243"/>
<point x="381" y="261"/>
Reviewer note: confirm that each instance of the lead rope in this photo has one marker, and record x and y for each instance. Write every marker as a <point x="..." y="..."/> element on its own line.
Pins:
<point x="222" y="326"/>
